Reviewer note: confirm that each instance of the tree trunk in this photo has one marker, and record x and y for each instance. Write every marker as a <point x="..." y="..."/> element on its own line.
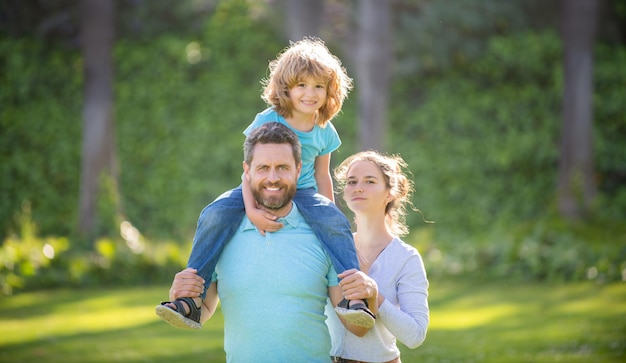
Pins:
<point x="304" y="18"/>
<point x="576" y="182"/>
<point x="373" y="71"/>
<point x="98" y="151"/>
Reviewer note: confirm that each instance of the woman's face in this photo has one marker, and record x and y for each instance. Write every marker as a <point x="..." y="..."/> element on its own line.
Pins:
<point x="366" y="189"/>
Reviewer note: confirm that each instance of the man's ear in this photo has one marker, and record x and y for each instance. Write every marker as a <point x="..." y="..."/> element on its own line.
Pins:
<point x="246" y="170"/>
<point x="299" y="169"/>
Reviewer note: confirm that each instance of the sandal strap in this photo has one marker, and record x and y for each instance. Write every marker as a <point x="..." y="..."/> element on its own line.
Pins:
<point x="345" y="303"/>
<point x="194" y="310"/>
<point x="363" y="307"/>
<point x="180" y="308"/>
<point x="356" y="306"/>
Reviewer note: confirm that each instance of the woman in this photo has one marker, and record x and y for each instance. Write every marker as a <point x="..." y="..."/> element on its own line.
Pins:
<point x="392" y="277"/>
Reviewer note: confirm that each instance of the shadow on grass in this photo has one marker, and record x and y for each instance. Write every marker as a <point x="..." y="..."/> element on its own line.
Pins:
<point x="147" y="343"/>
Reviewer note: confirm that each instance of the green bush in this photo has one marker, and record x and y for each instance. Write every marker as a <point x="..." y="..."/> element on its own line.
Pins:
<point x="549" y="249"/>
<point x="29" y="261"/>
<point x="23" y="257"/>
<point x="545" y="250"/>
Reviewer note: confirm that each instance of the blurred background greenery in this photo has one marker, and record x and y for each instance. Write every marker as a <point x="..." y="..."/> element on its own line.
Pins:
<point x="474" y="108"/>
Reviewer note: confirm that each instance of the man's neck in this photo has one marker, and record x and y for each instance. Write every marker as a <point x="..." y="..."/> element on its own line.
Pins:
<point x="282" y="212"/>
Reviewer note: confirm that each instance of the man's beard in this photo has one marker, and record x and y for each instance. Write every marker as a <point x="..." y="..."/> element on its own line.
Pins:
<point x="274" y="202"/>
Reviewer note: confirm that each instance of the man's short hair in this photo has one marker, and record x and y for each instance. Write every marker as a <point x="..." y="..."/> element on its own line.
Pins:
<point x="271" y="133"/>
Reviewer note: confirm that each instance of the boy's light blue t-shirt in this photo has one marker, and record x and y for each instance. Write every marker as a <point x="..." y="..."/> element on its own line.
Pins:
<point x="273" y="290"/>
<point x="317" y="142"/>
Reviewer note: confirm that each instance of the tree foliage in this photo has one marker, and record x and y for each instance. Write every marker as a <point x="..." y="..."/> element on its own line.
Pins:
<point x="40" y="133"/>
<point x="182" y="107"/>
<point x="482" y="134"/>
<point x="478" y="126"/>
<point x="482" y="141"/>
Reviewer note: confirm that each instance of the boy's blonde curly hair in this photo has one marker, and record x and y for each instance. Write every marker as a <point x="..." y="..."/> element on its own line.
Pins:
<point x="308" y="57"/>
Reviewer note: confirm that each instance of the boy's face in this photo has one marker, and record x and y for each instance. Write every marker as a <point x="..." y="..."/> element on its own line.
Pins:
<point x="308" y="96"/>
<point x="273" y="176"/>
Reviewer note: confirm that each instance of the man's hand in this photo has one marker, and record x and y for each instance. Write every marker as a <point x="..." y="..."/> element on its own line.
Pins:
<point x="186" y="283"/>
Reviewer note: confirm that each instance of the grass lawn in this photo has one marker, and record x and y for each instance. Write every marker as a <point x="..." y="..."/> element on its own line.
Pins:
<point x="470" y="322"/>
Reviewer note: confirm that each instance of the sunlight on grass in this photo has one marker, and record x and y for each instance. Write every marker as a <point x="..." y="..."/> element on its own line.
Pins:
<point x="469" y="317"/>
<point x="470" y="322"/>
<point x="68" y="324"/>
<point x="100" y="326"/>
<point x="88" y="315"/>
<point x="479" y="322"/>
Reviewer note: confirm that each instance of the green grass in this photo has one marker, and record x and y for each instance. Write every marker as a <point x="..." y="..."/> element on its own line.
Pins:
<point x="470" y="322"/>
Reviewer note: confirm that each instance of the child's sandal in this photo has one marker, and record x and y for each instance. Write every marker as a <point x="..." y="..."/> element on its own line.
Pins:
<point x="357" y="314"/>
<point x="177" y="317"/>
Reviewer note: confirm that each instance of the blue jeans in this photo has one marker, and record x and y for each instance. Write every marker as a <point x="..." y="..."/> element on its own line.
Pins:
<point x="220" y="220"/>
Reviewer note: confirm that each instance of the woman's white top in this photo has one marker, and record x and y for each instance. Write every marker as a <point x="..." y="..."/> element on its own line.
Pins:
<point x="399" y="272"/>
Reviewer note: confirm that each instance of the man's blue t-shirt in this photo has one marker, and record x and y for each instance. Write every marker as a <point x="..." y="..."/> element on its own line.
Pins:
<point x="317" y="142"/>
<point x="273" y="290"/>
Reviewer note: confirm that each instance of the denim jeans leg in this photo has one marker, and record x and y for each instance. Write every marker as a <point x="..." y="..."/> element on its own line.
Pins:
<point x="330" y="226"/>
<point x="217" y="224"/>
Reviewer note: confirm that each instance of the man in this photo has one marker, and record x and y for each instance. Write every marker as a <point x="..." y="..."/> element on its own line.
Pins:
<point x="273" y="288"/>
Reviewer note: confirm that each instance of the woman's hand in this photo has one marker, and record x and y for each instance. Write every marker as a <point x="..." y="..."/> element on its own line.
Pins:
<point x="356" y="284"/>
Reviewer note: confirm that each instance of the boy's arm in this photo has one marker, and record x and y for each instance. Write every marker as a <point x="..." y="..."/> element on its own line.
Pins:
<point x="262" y="220"/>
<point x="323" y="178"/>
